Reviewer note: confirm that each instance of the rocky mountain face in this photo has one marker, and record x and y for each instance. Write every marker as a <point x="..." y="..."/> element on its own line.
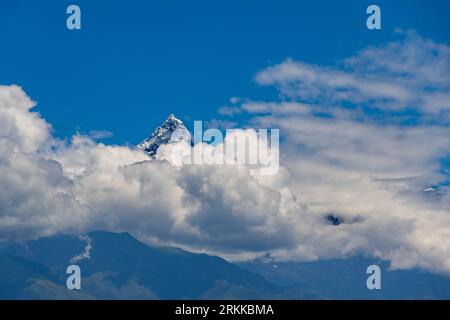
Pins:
<point x="117" y="266"/>
<point x="162" y="135"/>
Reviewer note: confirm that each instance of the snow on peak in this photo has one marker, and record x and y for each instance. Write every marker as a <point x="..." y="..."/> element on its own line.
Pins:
<point x="162" y="135"/>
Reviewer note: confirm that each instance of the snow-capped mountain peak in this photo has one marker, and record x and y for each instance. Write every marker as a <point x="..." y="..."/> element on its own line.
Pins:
<point x="161" y="135"/>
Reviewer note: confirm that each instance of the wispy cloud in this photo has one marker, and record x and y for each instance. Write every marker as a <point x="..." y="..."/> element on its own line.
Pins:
<point x="412" y="73"/>
<point x="100" y="134"/>
<point x="86" y="254"/>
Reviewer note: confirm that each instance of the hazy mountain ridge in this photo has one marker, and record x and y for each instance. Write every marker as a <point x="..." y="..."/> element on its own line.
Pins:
<point x="23" y="279"/>
<point x="120" y="267"/>
<point x="346" y="279"/>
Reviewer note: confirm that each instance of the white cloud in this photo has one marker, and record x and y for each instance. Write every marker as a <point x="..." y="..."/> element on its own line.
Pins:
<point x="229" y="110"/>
<point x="370" y="173"/>
<point x="413" y="73"/>
<point x="366" y="168"/>
<point x="254" y="107"/>
<point x="20" y="130"/>
<point x="83" y="185"/>
<point x="374" y="177"/>
<point x="86" y="254"/>
<point x="100" y="134"/>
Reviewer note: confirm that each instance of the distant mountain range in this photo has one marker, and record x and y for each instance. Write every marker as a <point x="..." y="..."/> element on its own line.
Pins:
<point x="118" y="266"/>
<point x="346" y="279"/>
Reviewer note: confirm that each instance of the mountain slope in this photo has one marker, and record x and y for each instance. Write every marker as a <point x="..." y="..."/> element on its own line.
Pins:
<point x="24" y="279"/>
<point x="162" y="135"/>
<point x="117" y="266"/>
<point x="121" y="267"/>
<point x="346" y="279"/>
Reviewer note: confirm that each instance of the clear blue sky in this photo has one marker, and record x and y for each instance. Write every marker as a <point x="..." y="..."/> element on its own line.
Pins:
<point x="134" y="62"/>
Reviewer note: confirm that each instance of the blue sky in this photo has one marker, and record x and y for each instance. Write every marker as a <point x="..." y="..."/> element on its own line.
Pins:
<point x="362" y="138"/>
<point x="134" y="62"/>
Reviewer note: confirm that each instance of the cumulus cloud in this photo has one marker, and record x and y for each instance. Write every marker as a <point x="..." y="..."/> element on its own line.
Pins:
<point x="370" y="173"/>
<point x="19" y="129"/>
<point x="51" y="186"/>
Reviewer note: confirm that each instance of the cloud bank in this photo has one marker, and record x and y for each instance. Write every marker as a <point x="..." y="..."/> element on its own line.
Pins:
<point x="339" y="160"/>
<point x="366" y="141"/>
<point x="409" y="74"/>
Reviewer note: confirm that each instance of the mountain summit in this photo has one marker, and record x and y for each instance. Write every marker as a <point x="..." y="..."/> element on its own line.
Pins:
<point x="162" y="135"/>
